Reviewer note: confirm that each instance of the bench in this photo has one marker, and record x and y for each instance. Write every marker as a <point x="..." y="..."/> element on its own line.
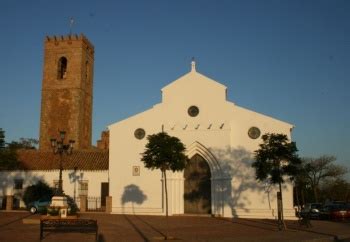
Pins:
<point x="68" y="225"/>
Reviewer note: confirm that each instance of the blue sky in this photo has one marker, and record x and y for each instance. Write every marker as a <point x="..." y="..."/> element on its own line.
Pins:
<point x="286" y="59"/>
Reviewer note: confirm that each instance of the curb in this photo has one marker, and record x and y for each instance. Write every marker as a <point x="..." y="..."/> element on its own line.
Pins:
<point x="31" y="221"/>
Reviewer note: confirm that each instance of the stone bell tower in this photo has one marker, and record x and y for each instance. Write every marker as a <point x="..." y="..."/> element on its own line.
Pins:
<point x="67" y="85"/>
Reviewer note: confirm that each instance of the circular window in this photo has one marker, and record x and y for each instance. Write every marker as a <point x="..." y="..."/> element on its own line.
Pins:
<point x="254" y="132"/>
<point x="193" y="111"/>
<point x="139" y="133"/>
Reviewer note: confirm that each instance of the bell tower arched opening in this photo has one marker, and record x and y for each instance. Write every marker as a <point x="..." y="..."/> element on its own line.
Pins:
<point x="62" y="68"/>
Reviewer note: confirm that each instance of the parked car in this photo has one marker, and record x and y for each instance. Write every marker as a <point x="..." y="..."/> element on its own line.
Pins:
<point x="39" y="206"/>
<point x="335" y="211"/>
<point x="311" y="210"/>
<point x="347" y="207"/>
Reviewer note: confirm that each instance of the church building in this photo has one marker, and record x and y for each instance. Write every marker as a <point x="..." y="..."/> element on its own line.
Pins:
<point x="220" y="139"/>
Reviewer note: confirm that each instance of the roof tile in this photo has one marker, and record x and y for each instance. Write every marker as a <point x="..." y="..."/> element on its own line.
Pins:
<point x="80" y="159"/>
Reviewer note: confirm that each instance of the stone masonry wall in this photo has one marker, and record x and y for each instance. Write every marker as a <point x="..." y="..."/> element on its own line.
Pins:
<point x="66" y="102"/>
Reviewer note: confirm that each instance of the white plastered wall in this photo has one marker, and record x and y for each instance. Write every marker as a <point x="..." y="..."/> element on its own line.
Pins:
<point x="219" y="133"/>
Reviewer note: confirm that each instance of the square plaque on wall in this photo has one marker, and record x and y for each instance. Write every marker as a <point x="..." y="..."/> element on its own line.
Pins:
<point x="136" y="170"/>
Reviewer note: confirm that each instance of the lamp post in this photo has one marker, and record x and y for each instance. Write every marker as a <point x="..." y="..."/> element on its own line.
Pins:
<point x="75" y="181"/>
<point x="59" y="147"/>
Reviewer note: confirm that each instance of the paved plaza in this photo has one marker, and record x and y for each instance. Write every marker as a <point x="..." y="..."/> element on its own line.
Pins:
<point x="22" y="226"/>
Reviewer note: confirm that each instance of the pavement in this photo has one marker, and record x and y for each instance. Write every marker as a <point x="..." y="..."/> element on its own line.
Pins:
<point x="22" y="226"/>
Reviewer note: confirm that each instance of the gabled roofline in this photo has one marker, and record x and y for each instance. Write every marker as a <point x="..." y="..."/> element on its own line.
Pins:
<point x="194" y="73"/>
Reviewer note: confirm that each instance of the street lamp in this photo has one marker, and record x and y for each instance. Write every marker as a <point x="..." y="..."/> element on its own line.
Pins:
<point x="75" y="181"/>
<point x="59" y="147"/>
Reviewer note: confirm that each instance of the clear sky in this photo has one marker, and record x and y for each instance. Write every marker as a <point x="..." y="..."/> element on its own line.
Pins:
<point x="286" y="59"/>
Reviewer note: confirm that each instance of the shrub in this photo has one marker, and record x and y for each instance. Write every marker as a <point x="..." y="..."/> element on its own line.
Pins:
<point x="37" y="191"/>
<point x="72" y="206"/>
<point x="53" y="211"/>
<point x="43" y="211"/>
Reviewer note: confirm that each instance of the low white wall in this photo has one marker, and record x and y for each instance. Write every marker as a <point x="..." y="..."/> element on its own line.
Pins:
<point x="70" y="179"/>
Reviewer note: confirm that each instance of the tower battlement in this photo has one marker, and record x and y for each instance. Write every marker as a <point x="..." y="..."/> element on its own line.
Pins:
<point x="68" y="39"/>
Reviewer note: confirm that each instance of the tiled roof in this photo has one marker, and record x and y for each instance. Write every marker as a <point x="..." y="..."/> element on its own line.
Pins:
<point x="45" y="160"/>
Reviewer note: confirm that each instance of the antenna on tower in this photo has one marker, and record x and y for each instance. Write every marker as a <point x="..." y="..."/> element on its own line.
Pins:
<point x="71" y="22"/>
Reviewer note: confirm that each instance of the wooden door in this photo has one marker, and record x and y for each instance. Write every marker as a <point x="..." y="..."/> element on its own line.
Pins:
<point x="197" y="197"/>
<point x="104" y="192"/>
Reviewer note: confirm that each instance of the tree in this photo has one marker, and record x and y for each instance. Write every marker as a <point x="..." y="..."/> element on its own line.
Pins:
<point x="8" y="157"/>
<point x="320" y="169"/>
<point x="24" y="143"/>
<point x="166" y="153"/>
<point x="8" y="151"/>
<point x="301" y="189"/>
<point x="37" y="191"/>
<point x="335" y="190"/>
<point x="275" y="159"/>
<point x="2" y="138"/>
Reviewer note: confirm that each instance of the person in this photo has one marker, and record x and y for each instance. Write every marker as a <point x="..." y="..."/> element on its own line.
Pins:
<point x="305" y="220"/>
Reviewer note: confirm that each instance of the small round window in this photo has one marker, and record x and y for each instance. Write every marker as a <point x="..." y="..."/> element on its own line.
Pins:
<point x="139" y="133"/>
<point x="193" y="111"/>
<point x="254" y="132"/>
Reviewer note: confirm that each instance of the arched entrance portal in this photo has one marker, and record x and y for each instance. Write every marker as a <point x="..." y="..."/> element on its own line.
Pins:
<point x="197" y="197"/>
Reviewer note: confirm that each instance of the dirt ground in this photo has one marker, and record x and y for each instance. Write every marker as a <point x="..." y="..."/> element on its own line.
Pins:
<point x="22" y="226"/>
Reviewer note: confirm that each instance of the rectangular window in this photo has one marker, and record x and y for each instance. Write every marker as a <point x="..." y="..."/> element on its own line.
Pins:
<point x="18" y="184"/>
<point x="83" y="188"/>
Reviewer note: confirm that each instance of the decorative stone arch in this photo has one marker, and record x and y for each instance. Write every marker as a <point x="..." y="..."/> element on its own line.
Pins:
<point x="218" y="177"/>
<point x="198" y="148"/>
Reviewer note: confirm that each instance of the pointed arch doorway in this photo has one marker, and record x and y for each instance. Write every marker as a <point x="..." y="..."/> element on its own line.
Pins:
<point x="197" y="186"/>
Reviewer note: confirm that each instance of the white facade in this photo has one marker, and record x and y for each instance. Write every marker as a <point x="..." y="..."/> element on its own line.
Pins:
<point x="72" y="181"/>
<point x="219" y="133"/>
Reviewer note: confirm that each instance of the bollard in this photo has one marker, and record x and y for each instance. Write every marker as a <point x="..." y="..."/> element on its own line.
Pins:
<point x="108" y="204"/>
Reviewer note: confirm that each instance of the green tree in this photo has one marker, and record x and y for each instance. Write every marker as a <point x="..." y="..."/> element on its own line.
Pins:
<point x="320" y="169"/>
<point x="275" y="160"/>
<point x="2" y="138"/>
<point x="37" y="191"/>
<point x="8" y="151"/>
<point x="301" y="189"/>
<point x="23" y="143"/>
<point x="166" y="153"/>
<point x="8" y="157"/>
<point x="335" y="190"/>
